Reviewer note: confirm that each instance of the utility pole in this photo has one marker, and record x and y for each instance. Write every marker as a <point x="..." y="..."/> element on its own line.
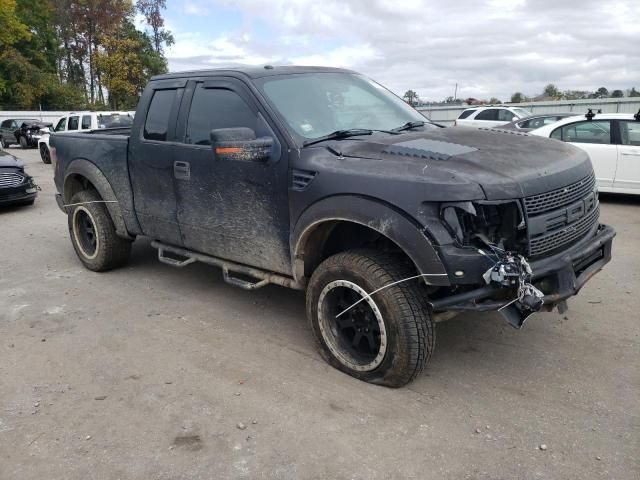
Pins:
<point x="455" y="92"/>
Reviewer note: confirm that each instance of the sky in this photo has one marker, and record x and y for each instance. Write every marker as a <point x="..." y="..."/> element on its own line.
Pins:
<point x="490" y="48"/>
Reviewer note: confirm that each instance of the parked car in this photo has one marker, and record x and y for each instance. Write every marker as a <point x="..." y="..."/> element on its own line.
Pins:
<point x="491" y="116"/>
<point x="24" y="131"/>
<point x="535" y="121"/>
<point x="16" y="187"/>
<point x="84" y="121"/>
<point x="320" y="179"/>
<point x="612" y="140"/>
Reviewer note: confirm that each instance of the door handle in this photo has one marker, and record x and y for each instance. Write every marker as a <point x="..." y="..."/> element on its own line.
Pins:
<point x="182" y="170"/>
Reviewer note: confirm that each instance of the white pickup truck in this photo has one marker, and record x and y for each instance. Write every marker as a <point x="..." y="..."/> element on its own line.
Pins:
<point x="76" y="121"/>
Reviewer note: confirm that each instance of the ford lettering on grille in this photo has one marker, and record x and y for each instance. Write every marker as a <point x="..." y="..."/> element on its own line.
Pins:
<point x="558" y="218"/>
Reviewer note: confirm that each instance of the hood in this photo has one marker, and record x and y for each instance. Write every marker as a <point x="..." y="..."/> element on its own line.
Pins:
<point x="35" y="125"/>
<point x="504" y="164"/>
<point x="8" y="160"/>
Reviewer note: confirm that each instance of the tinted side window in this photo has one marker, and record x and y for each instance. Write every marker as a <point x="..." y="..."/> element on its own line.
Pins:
<point x="213" y="108"/>
<point x="86" y="122"/>
<point x="587" y="132"/>
<point x="61" y="126"/>
<point x="630" y="132"/>
<point x="505" y="115"/>
<point x="491" y="114"/>
<point x="73" y="123"/>
<point x="6" y="124"/>
<point x="156" y="126"/>
<point x="465" y="114"/>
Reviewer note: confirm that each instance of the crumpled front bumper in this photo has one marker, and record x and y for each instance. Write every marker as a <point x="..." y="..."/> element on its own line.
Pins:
<point x="559" y="276"/>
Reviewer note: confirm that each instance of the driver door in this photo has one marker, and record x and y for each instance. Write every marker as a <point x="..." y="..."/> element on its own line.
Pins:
<point x="232" y="209"/>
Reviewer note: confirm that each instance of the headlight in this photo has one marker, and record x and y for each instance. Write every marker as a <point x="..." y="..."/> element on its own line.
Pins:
<point x="479" y="224"/>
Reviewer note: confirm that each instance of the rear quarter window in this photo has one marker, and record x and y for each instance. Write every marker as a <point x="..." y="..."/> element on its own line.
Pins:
<point x="465" y="114"/>
<point x="156" y="126"/>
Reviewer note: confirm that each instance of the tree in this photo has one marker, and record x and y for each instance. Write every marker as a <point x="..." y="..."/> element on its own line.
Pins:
<point x="602" y="93"/>
<point x="410" y="97"/>
<point x="494" y="101"/>
<point x="551" y="91"/>
<point x="617" y="94"/>
<point x="151" y="11"/>
<point x="633" y="92"/>
<point x="517" y="97"/>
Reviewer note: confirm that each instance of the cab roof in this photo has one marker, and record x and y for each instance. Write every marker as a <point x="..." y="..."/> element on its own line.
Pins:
<point x="252" y="72"/>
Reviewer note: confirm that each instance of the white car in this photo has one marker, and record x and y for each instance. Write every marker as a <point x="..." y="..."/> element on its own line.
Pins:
<point x="612" y="140"/>
<point x="492" y="116"/>
<point x="75" y="121"/>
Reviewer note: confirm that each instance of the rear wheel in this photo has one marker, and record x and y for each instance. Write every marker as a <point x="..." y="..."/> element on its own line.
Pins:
<point x="44" y="154"/>
<point x="93" y="234"/>
<point x="23" y="141"/>
<point x="385" y="337"/>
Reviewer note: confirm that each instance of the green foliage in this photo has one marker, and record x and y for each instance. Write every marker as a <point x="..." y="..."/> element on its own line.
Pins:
<point x="517" y="97"/>
<point x="411" y="97"/>
<point x="74" y="54"/>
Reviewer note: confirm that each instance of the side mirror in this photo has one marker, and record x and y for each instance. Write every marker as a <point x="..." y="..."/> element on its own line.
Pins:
<point x="240" y="144"/>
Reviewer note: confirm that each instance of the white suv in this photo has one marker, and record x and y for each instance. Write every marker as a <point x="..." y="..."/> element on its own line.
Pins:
<point x="76" y="121"/>
<point x="491" y="116"/>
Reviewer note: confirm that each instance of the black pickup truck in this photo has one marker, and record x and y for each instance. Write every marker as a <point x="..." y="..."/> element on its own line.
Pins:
<point x="321" y="179"/>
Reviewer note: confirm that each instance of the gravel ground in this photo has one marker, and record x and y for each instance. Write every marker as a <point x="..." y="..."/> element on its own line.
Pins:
<point x="150" y="372"/>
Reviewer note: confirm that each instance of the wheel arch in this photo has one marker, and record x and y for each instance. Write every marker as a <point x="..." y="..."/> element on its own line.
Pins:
<point x="81" y="174"/>
<point x="355" y="217"/>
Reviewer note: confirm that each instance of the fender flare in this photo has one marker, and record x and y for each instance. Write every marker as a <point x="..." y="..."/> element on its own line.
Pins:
<point x="88" y="170"/>
<point x="393" y="224"/>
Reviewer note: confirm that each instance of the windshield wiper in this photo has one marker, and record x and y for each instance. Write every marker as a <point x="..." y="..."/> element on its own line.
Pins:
<point x="409" y="125"/>
<point x="352" y="132"/>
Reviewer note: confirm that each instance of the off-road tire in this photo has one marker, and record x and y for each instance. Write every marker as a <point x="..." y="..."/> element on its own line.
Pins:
<point x="409" y="329"/>
<point x="3" y="143"/>
<point x="23" y="142"/>
<point x="111" y="251"/>
<point x="44" y="154"/>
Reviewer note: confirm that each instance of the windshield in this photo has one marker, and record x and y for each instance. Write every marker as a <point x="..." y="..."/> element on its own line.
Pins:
<point x="317" y="104"/>
<point x="113" y="120"/>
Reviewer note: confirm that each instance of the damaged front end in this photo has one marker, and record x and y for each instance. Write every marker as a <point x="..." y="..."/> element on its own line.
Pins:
<point x="497" y="231"/>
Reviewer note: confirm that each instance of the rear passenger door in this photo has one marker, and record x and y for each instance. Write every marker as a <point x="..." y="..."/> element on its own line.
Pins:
<point x="594" y="137"/>
<point x="232" y="209"/>
<point x="628" y="172"/>
<point x="487" y="118"/>
<point x="151" y="156"/>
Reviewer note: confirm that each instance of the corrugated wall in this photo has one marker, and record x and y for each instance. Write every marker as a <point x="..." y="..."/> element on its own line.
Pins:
<point x="447" y="114"/>
<point x="51" y="117"/>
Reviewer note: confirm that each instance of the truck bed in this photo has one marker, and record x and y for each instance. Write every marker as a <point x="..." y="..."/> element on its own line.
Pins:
<point x="107" y="149"/>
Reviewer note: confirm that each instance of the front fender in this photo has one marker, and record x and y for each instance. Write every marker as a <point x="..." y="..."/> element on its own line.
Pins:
<point x="93" y="174"/>
<point x="384" y="219"/>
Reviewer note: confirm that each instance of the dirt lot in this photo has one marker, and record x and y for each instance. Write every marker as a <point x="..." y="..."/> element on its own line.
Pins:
<point x="147" y="373"/>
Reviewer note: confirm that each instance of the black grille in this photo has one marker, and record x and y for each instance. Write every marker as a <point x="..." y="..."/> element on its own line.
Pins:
<point x="560" y="197"/>
<point x="12" y="179"/>
<point x="558" y="238"/>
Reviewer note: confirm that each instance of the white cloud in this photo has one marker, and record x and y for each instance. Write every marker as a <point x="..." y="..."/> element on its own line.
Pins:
<point x="489" y="47"/>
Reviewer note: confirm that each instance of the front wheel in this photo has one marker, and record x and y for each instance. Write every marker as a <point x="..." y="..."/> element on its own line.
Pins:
<point x="385" y="337"/>
<point x="3" y="143"/>
<point x="93" y="234"/>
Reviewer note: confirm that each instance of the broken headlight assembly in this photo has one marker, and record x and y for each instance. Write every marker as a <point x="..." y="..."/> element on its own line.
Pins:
<point x="498" y="224"/>
<point x="498" y="231"/>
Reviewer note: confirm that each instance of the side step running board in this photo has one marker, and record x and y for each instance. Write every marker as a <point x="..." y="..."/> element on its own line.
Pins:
<point x="188" y="257"/>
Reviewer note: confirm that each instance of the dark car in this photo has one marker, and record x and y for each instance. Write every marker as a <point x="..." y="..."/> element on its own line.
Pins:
<point x="322" y="180"/>
<point x="24" y="131"/>
<point x="535" y="121"/>
<point x="16" y="187"/>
